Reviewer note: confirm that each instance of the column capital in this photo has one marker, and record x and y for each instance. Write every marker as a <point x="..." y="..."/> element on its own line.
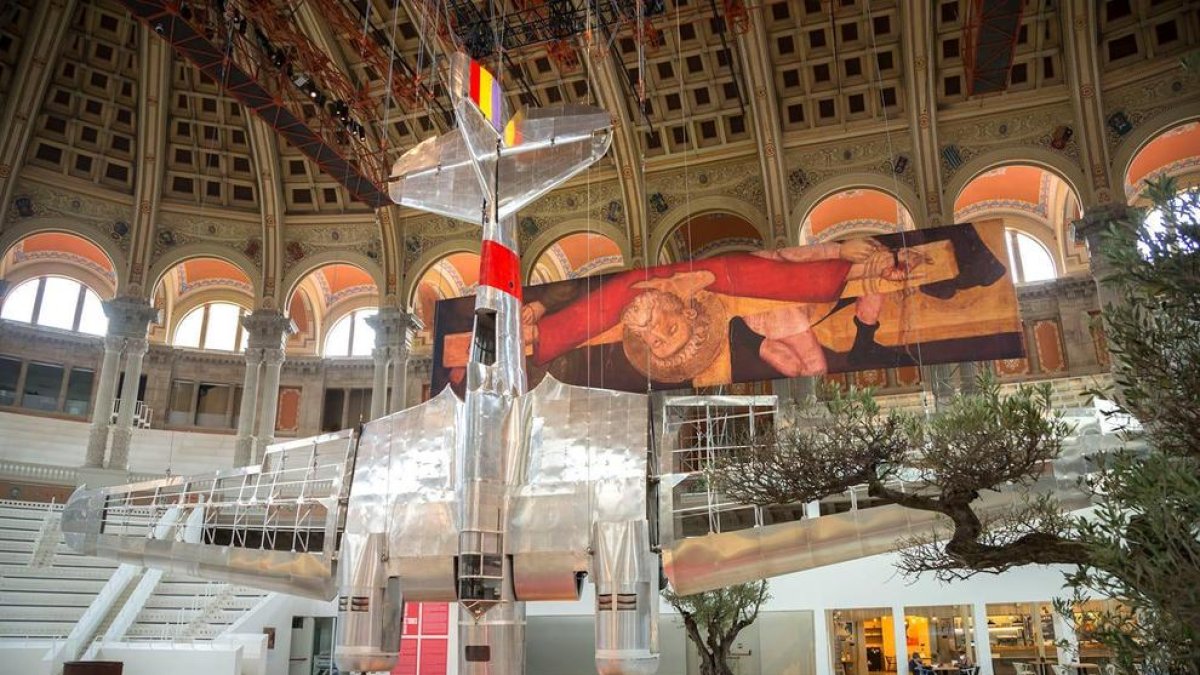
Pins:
<point x="1098" y="218"/>
<point x="272" y="357"/>
<point x="1093" y="227"/>
<point x="129" y="316"/>
<point x="267" y="329"/>
<point x="113" y="343"/>
<point x="138" y="346"/>
<point x="254" y="356"/>
<point x="394" y="327"/>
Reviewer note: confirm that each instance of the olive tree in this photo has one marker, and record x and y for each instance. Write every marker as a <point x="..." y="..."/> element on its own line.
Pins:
<point x="714" y="619"/>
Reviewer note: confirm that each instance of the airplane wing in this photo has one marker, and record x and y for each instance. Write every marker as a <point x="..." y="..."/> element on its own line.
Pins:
<point x="547" y="146"/>
<point x="274" y="526"/>
<point x="439" y="176"/>
<point x="412" y="491"/>
<point x="586" y="464"/>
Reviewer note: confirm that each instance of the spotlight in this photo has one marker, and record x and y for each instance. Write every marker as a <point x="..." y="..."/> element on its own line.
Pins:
<point x="160" y="28"/>
<point x="277" y="58"/>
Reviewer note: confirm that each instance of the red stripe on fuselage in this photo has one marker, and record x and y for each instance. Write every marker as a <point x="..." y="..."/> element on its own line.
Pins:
<point x="500" y="268"/>
<point x="473" y="77"/>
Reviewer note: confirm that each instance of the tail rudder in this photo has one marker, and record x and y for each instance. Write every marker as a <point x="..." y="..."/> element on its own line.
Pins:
<point x="475" y="83"/>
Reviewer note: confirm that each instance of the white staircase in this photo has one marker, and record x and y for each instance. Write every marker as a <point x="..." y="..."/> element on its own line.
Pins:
<point x="42" y="602"/>
<point x="186" y="608"/>
<point x="39" y="606"/>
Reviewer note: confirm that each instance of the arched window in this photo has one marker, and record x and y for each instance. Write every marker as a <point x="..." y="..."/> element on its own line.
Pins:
<point x="351" y="336"/>
<point x="56" y="302"/>
<point x="214" y="325"/>
<point x="1028" y="259"/>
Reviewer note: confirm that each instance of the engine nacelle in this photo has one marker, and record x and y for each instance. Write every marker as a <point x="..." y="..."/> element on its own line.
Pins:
<point x="370" y="608"/>
<point x="625" y="572"/>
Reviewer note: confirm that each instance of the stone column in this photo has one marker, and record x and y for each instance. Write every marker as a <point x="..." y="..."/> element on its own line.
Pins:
<point x="248" y="412"/>
<point x="273" y="362"/>
<point x="1092" y="229"/>
<point x="379" y="386"/>
<point x="129" y="319"/>
<point x="135" y="351"/>
<point x="395" y="330"/>
<point x="110" y="369"/>
<point x="266" y="333"/>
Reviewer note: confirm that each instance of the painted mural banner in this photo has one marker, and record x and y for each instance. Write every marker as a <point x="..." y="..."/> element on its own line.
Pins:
<point x="936" y="295"/>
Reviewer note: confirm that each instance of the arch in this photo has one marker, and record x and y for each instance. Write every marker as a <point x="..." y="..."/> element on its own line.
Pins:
<point x="1025" y="197"/>
<point x="544" y="240"/>
<point x="159" y="269"/>
<point x="428" y="258"/>
<point x="1047" y="160"/>
<point x="1147" y="131"/>
<point x="531" y="263"/>
<point x="699" y="206"/>
<point x="310" y="264"/>
<point x="101" y="286"/>
<point x="16" y="232"/>
<point x="1175" y="152"/>
<point x="850" y="181"/>
<point x="855" y="210"/>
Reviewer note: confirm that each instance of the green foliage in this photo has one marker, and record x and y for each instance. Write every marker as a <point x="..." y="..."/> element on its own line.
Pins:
<point x="714" y="619"/>
<point x="1144" y="536"/>
<point x="981" y="441"/>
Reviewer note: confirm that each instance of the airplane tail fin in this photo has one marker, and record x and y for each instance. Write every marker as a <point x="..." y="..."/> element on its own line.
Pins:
<point x="474" y="89"/>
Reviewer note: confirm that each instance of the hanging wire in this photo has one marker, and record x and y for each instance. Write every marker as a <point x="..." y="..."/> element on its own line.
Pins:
<point x="877" y="80"/>
<point x="387" y="85"/>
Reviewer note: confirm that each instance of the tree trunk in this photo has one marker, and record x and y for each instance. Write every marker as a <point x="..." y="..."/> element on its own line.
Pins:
<point x="715" y="662"/>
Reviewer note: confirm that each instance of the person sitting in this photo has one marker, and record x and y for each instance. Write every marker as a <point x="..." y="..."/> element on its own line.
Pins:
<point x="917" y="667"/>
<point x="962" y="661"/>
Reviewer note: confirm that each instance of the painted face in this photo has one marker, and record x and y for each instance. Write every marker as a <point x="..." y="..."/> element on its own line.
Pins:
<point x="668" y="332"/>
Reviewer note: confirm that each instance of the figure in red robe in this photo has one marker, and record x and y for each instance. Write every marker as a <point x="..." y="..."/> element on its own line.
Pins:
<point x="674" y="320"/>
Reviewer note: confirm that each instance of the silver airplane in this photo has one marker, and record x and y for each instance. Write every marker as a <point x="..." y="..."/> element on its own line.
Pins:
<point x="505" y="497"/>
<point x="500" y="499"/>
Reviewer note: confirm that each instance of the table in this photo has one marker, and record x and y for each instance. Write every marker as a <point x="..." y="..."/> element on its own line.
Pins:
<point x="1084" y="668"/>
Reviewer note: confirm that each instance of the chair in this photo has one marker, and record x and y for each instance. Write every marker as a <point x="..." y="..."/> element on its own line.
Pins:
<point x="1110" y="669"/>
<point x="1023" y="668"/>
<point x="973" y="670"/>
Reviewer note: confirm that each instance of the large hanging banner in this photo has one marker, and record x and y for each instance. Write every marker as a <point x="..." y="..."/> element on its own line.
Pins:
<point x="937" y="295"/>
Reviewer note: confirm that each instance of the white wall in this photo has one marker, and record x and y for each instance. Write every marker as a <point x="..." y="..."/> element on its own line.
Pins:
<point x="866" y="582"/>
<point x="58" y="442"/>
<point x="276" y="611"/>
<point x="153" y="658"/>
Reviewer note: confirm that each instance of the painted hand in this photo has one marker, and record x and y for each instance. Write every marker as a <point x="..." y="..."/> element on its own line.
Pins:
<point x="859" y="250"/>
